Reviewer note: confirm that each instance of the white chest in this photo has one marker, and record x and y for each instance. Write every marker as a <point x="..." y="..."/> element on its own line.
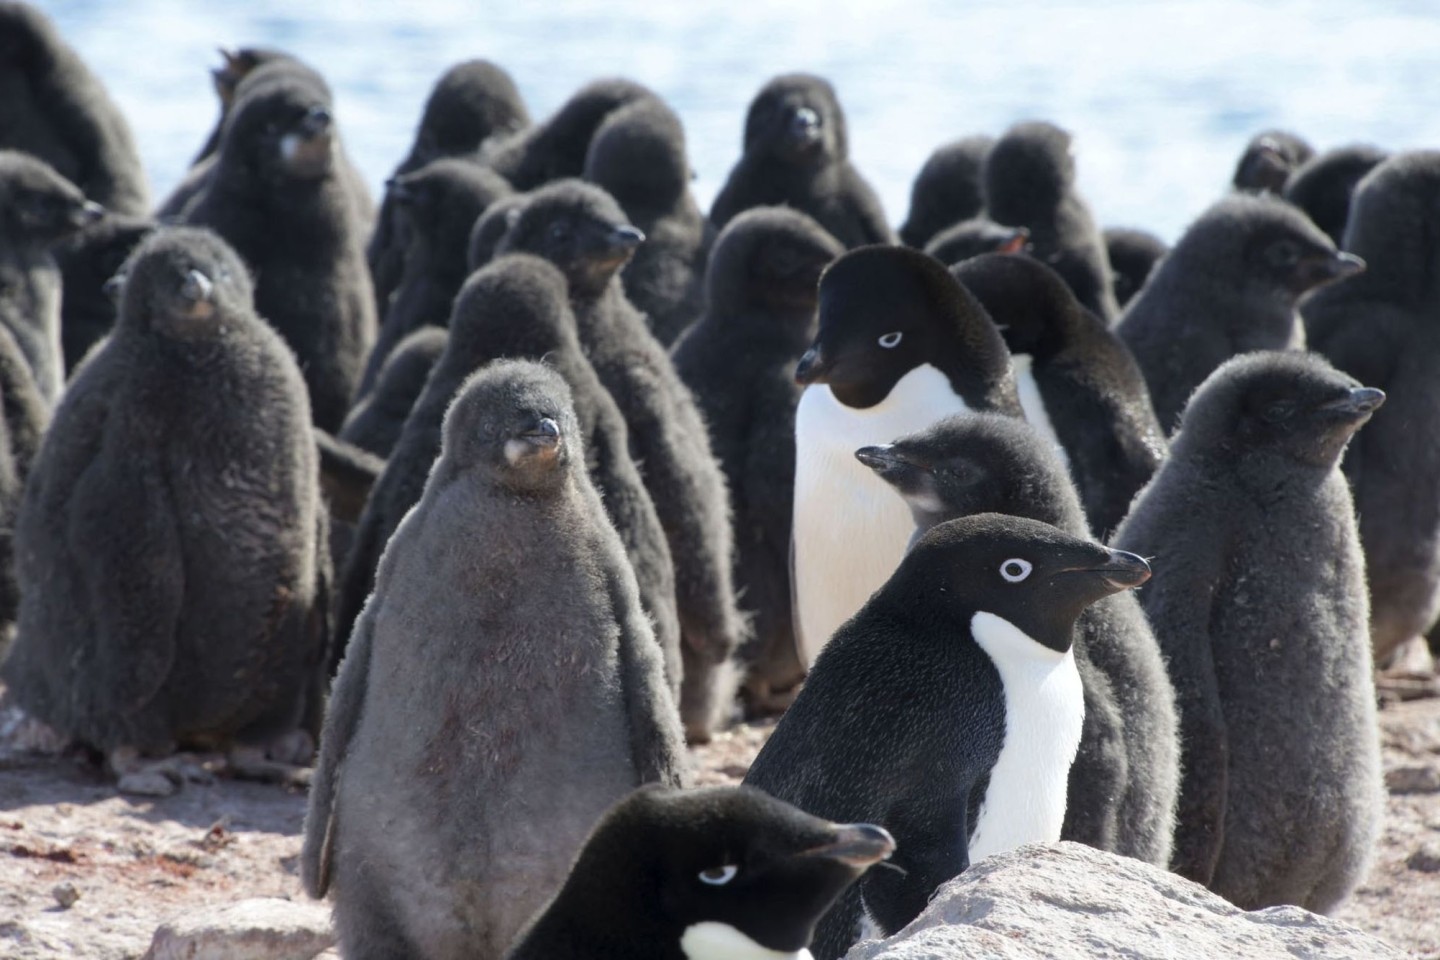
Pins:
<point x="712" y="940"/>
<point x="1044" y="711"/>
<point x="1033" y="404"/>
<point x="851" y="528"/>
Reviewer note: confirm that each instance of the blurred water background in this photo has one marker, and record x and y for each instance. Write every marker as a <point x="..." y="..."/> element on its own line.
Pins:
<point x="1160" y="95"/>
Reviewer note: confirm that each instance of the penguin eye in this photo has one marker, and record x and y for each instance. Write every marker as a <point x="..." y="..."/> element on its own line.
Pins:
<point x="1283" y="254"/>
<point x="719" y="876"/>
<point x="558" y="231"/>
<point x="891" y="340"/>
<point x="1276" y="412"/>
<point x="1015" y="570"/>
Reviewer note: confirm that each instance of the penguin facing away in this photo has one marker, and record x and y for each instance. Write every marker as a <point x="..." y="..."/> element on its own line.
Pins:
<point x="1325" y="184"/>
<point x="377" y="419"/>
<point x="720" y="873"/>
<point x="493" y="703"/>
<point x="949" y="708"/>
<point x="971" y="238"/>
<point x="946" y="190"/>
<point x="1259" y="605"/>
<point x="1125" y="780"/>
<point x="1133" y="255"/>
<point x="901" y="344"/>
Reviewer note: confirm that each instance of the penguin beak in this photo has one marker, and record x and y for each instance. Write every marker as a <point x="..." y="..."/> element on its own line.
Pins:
<point x="1359" y="402"/>
<point x="545" y="433"/>
<point x="812" y="368"/>
<point x="316" y="122"/>
<point x="804" y="127"/>
<point x="1123" y="571"/>
<point x="1019" y="239"/>
<point x="889" y="464"/>
<point x="624" y="239"/>
<point x="87" y="214"/>
<point x="856" y="845"/>
<point x="614" y="244"/>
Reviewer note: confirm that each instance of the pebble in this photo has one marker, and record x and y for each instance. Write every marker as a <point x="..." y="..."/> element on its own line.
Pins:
<point x="65" y="894"/>
<point x="1426" y="859"/>
<point x="1413" y="779"/>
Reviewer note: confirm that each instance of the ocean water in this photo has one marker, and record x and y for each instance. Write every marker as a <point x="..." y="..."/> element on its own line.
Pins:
<point x="1161" y="96"/>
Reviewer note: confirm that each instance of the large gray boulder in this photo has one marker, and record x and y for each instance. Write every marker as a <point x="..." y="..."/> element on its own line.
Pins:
<point x="1070" y="902"/>
<point x="260" y="929"/>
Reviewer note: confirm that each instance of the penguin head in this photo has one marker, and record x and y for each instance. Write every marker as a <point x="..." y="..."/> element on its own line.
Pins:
<point x="885" y="311"/>
<point x="491" y="228"/>
<point x="568" y="133"/>
<point x="1028" y="172"/>
<point x="1133" y="255"/>
<point x="946" y="190"/>
<point x="796" y="118"/>
<point x="185" y="284"/>
<point x="1268" y="161"/>
<point x="238" y="65"/>
<point x="281" y="128"/>
<point x="1030" y="574"/>
<point x="470" y="102"/>
<point x="769" y="257"/>
<point x="38" y="207"/>
<point x="1392" y="225"/>
<point x="91" y="259"/>
<point x="514" y="421"/>
<point x="441" y="201"/>
<point x="515" y="306"/>
<point x="1033" y="307"/>
<point x="578" y="227"/>
<point x="28" y="40"/>
<point x="1323" y="186"/>
<point x="719" y="872"/>
<point x="975" y="463"/>
<point x="638" y="157"/>
<point x="976" y="236"/>
<point x="1260" y="409"/>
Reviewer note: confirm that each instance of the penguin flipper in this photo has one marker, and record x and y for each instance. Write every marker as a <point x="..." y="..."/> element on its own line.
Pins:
<point x="347" y="700"/>
<point x="653" y="717"/>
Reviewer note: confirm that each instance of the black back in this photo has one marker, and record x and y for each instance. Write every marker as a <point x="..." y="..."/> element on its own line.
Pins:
<point x="946" y="190"/>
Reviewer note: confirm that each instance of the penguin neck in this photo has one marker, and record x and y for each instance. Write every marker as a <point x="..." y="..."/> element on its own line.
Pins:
<point x="1044" y="711"/>
<point x="1033" y="403"/>
<point x="712" y="940"/>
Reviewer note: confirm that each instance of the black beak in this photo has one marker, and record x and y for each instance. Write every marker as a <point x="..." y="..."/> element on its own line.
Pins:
<point x="1124" y="570"/>
<point x="856" y="845"/>
<point x="545" y="433"/>
<point x="1313" y="271"/>
<point x="1019" y="239"/>
<point x="625" y="238"/>
<point x="196" y="287"/>
<point x="85" y="215"/>
<point x="812" y="367"/>
<point x="316" y="122"/>
<point x="887" y="462"/>
<point x="1359" y="402"/>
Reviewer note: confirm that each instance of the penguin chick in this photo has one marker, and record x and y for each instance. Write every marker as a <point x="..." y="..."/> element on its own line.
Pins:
<point x="1133" y="255"/>
<point x="280" y="197"/>
<point x="471" y="102"/>
<point x="900" y="345"/>
<point x="226" y="79"/>
<point x="1229" y="286"/>
<point x="1324" y="184"/>
<point x="491" y="228"/>
<point x="582" y="230"/>
<point x="556" y="149"/>
<point x="501" y="691"/>
<point x="638" y="157"/>
<point x="971" y="238"/>
<point x="1378" y="327"/>
<point x="88" y="260"/>
<point x="1078" y="383"/>
<point x="947" y="190"/>
<point x="1029" y="180"/>
<point x="796" y="154"/>
<point x="189" y="606"/>
<point x="53" y="108"/>
<point x="700" y="875"/>
<point x="1269" y="159"/>
<point x="1124" y="783"/>
<point x="949" y="707"/>
<point x="739" y="361"/>
<point x="1259" y="606"/>
<point x="38" y="209"/>
<point x="377" y="419"/>
<point x="435" y="207"/>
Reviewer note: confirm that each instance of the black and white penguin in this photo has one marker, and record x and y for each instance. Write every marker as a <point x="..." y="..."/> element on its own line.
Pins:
<point x="1078" y="384"/>
<point x="949" y="707"/>
<point x="901" y="345"/>
<point x="721" y="873"/>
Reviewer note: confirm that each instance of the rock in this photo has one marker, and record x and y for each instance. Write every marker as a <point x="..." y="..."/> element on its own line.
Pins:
<point x="1426" y="859"/>
<point x="65" y="894"/>
<point x="261" y="929"/>
<point x="147" y="783"/>
<point x="1071" y="902"/>
<point x="1413" y="779"/>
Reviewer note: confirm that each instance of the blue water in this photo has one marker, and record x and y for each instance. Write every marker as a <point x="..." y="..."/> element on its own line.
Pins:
<point x="1161" y="95"/>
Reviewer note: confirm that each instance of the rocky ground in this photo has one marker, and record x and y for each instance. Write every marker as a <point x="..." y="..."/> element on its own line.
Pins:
<point x="86" y="872"/>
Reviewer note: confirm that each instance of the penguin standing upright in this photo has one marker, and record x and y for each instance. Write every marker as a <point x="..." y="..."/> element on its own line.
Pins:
<point x="690" y="874"/>
<point x="946" y="190"/>
<point x="1325" y="184"/>
<point x="901" y="344"/>
<point x="1078" y="383"/>
<point x="949" y="707"/>
<point x="1259" y="606"/>
<point x="1125" y="780"/>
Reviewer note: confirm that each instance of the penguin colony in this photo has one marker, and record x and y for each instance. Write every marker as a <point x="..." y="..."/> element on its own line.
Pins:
<point x="487" y="499"/>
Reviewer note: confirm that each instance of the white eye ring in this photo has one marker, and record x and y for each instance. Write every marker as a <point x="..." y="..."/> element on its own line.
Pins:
<point x="1015" y="570"/>
<point x="719" y="876"/>
<point x="891" y="340"/>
